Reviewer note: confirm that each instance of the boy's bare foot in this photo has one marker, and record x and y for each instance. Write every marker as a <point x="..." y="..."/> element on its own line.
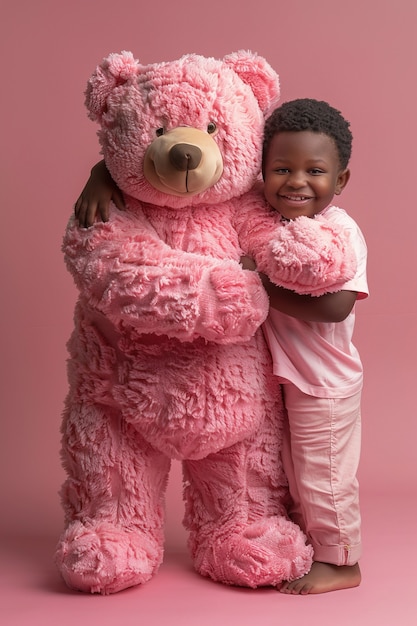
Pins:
<point x="324" y="577"/>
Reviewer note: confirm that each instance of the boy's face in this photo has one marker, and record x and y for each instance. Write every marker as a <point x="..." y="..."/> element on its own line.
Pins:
<point x="302" y="173"/>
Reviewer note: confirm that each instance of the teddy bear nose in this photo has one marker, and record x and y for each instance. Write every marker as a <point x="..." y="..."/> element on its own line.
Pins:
<point x="184" y="156"/>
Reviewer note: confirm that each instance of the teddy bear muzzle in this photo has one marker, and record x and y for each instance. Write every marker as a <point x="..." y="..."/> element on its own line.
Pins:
<point x="183" y="161"/>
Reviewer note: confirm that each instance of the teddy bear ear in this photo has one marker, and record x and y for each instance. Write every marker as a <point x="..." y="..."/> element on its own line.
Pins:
<point x="256" y="72"/>
<point x="114" y="70"/>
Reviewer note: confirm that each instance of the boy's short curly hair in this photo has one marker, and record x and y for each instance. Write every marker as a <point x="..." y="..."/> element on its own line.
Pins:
<point x="314" y="115"/>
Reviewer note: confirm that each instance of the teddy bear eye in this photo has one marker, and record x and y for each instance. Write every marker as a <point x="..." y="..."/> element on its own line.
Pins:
<point x="159" y="132"/>
<point x="211" y="128"/>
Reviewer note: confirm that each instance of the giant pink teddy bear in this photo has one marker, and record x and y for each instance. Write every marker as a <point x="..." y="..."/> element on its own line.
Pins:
<point x="167" y="359"/>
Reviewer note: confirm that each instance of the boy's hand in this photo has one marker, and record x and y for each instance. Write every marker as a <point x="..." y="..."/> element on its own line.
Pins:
<point x="96" y="196"/>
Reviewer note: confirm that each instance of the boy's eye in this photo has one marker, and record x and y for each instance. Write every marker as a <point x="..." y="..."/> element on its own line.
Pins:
<point x="282" y="170"/>
<point x="316" y="171"/>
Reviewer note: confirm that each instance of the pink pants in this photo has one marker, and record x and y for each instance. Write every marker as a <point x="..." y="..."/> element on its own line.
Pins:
<point x="320" y="456"/>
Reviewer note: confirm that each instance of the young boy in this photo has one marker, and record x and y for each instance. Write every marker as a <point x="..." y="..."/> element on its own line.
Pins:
<point x="306" y="151"/>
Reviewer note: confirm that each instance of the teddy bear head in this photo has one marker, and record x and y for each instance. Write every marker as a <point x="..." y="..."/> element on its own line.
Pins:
<point x="184" y="132"/>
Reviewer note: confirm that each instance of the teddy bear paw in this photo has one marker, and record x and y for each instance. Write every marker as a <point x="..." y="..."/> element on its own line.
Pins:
<point x="265" y="553"/>
<point x="104" y="558"/>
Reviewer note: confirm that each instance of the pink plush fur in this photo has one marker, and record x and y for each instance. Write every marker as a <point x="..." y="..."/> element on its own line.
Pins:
<point x="167" y="358"/>
<point x="309" y="256"/>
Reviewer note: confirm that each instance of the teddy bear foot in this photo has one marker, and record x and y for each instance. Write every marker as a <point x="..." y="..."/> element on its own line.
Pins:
<point x="103" y="558"/>
<point x="266" y="553"/>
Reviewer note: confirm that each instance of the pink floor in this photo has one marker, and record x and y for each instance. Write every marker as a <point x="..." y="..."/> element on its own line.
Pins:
<point x="31" y="592"/>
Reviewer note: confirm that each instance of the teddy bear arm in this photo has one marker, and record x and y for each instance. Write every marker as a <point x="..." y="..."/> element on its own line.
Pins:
<point x="233" y="304"/>
<point x="309" y="256"/>
<point x="143" y="282"/>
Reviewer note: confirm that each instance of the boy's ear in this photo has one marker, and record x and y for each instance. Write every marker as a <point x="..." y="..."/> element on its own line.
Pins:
<point x="342" y="181"/>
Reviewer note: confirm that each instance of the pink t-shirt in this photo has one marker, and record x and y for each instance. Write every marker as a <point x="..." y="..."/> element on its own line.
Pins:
<point x="319" y="357"/>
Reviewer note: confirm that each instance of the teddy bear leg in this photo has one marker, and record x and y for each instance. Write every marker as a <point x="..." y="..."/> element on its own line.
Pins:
<point x="113" y="501"/>
<point x="239" y="531"/>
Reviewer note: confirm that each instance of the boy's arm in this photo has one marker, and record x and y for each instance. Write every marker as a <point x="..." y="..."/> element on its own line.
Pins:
<point x="96" y="196"/>
<point x="330" y="307"/>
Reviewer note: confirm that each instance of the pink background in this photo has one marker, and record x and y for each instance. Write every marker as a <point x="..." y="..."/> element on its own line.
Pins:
<point x="360" y="56"/>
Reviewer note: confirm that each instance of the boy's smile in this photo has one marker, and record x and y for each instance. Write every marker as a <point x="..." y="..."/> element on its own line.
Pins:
<point x="302" y="173"/>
